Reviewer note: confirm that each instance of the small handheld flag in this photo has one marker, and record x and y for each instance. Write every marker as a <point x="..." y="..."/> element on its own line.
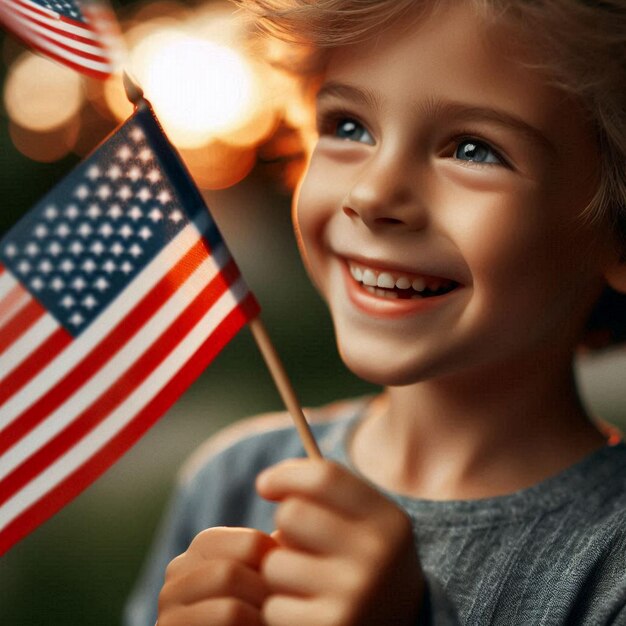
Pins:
<point x="83" y="37"/>
<point x="116" y="291"/>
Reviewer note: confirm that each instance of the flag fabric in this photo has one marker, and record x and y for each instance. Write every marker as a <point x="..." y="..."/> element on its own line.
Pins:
<point x="83" y="37"/>
<point x="116" y="291"/>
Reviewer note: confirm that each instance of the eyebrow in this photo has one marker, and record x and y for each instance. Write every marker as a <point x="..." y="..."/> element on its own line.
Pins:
<point x="439" y="108"/>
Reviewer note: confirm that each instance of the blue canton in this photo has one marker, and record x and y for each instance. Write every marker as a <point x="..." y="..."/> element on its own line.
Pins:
<point x="66" y="8"/>
<point x="84" y="243"/>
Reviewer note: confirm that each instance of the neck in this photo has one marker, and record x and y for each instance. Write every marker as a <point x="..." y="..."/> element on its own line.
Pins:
<point x="474" y="436"/>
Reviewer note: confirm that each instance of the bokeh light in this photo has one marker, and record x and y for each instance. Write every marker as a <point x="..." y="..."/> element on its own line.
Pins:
<point x="41" y="95"/>
<point x="218" y="99"/>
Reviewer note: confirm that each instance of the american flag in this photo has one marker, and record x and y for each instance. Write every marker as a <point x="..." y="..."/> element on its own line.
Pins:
<point x="84" y="38"/>
<point x="116" y="291"/>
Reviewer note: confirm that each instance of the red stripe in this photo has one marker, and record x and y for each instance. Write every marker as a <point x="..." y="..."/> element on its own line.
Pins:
<point x="86" y="55"/>
<point x="34" y="363"/>
<point x="19" y="324"/>
<point x="123" y="387"/>
<point x="101" y="353"/>
<point x="83" y="476"/>
<point x="62" y="18"/>
<point x="9" y="301"/>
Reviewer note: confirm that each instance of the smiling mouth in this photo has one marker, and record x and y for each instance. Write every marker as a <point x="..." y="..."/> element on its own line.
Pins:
<point x="401" y="286"/>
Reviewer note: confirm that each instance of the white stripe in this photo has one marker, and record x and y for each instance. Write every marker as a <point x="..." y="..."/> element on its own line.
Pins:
<point x="7" y="282"/>
<point x="50" y="12"/>
<point x="117" y="310"/>
<point x="125" y="413"/>
<point x="61" y="52"/>
<point x="115" y="367"/>
<point x="23" y="347"/>
<point x="30" y="26"/>
<point x="19" y="303"/>
<point x="54" y="21"/>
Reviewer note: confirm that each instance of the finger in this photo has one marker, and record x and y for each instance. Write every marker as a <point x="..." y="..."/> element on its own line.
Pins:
<point x="296" y="573"/>
<point x="323" y="481"/>
<point x="215" y="612"/>
<point x="214" y="579"/>
<point x="283" y="610"/>
<point x="309" y="526"/>
<point x="246" y="545"/>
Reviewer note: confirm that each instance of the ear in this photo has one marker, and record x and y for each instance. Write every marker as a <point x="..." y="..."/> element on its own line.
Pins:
<point x="616" y="276"/>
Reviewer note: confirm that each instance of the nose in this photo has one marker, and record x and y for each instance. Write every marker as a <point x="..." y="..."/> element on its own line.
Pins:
<point x="385" y="195"/>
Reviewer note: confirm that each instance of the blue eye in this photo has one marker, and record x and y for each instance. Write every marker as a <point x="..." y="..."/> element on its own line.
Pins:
<point x="476" y="152"/>
<point x="352" y="130"/>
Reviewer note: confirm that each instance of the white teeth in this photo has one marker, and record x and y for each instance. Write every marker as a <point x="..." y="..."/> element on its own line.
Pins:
<point x="357" y="273"/>
<point x="419" y="284"/>
<point x="385" y="280"/>
<point x="403" y="283"/>
<point x="369" y="278"/>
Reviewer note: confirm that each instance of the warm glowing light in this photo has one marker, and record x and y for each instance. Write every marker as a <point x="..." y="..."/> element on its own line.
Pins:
<point x="40" y="95"/>
<point x="219" y="165"/>
<point x="116" y="99"/>
<point x="199" y="89"/>
<point x="45" y="146"/>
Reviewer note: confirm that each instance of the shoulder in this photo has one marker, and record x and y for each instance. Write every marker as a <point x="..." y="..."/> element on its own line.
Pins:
<point x="256" y="442"/>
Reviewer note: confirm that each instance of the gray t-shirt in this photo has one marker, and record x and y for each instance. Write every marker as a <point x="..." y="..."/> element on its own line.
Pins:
<point x="551" y="554"/>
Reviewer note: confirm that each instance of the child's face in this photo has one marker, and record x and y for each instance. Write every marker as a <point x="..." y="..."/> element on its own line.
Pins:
<point x="440" y="159"/>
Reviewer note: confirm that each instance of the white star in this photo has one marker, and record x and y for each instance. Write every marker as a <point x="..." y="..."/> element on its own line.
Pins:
<point x="76" y="247"/>
<point x="114" y="172"/>
<point x="55" y="248"/>
<point x="63" y="230"/>
<point x="89" y="302"/>
<point x="106" y="230"/>
<point x="135" y="213"/>
<point x="155" y="215"/>
<point x="144" y="194"/>
<point x="109" y="266"/>
<point x="126" y="267"/>
<point x="82" y="192"/>
<point x="104" y="191"/>
<point x="126" y="231"/>
<point x="164" y="196"/>
<point x="84" y="230"/>
<point x="78" y="283"/>
<point x="102" y="284"/>
<point x="32" y="249"/>
<point x="10" y="250"/>
<point x="134" y="173"/>
<point x="97" y="247"/>
<point x="94" y="211"/>
<point x="57" y="284"/>
<point x="67" y="302"/>
<point x="117" y="248"/>
<point x="93" y="172"/>
<point x="37" y="284"/>
<point x="145" y="155"/>
<point x="89" y="266"/>
<point x="125" y="192"/>
<point x="40" y="231"/>
<point x="153" y="176"/>
<point x="115" y="211"/>
<point x="23" y="267"/>
<point x="145" y="233"/>
<point x="72" y="211"/>
<point x="124" y="153"/>
<point x="135" y="250"/>
<point x="66" y="265"/>
<point x="45" y="266"/>
<point x="136" y="134"/>
<point x="176" y="216"/>
<point x="76" y="319"/>
<point x="51" y="212"/>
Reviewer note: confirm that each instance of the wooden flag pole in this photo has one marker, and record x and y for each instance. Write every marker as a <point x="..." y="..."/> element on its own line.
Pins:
<point x="284" y="387"/>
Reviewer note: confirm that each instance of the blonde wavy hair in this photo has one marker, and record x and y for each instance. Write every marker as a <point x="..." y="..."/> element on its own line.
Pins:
<point x="582" y="44"/>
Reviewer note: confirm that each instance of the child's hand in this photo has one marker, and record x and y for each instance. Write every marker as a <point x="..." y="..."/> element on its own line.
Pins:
<point x="346" y="553"/>
<point x="216" y="581"/>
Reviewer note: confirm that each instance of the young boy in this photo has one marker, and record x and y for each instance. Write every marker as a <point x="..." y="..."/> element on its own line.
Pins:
<point x="462" y="214"/>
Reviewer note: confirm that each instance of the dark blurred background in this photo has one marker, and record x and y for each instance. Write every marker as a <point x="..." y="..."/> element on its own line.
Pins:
<point x="79" y="566"/>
